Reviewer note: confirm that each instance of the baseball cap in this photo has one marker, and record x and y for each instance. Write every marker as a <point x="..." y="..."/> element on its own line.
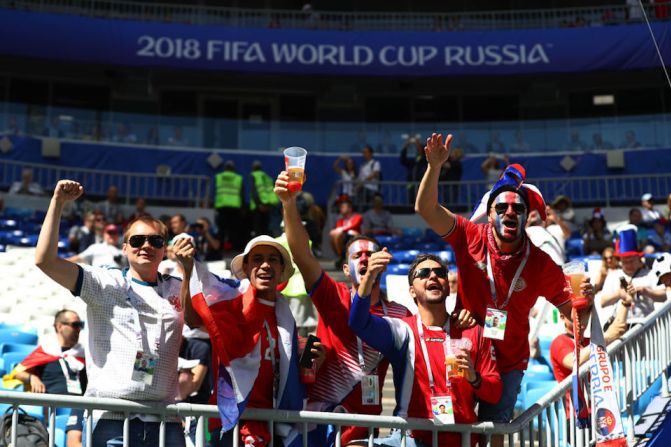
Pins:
<point x="645" y="197"/>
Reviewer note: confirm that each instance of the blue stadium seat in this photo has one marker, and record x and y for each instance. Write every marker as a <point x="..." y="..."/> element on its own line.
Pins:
<point x="575" y="247"/>
<point x="9" y="224"/>
<point x="16" y="347"/>
<point x="12" y="359"/>
<point x="388" y="241"/>
<point x="446" y="255"/>
<point x="404" y="256"/>
<point x="398" y="269"/>
<point x="536" y="390"/>
<point x="15" y="336"/>
<point x="428" y="246"/>
<point x="29" y="329"/>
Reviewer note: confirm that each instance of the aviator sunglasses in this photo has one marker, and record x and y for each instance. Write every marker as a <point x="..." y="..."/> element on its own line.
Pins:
<point x="74" y="324"/>
<point x="155" y="240"/>
<point x="501" y="208"/>
<point x="425" y="272"/>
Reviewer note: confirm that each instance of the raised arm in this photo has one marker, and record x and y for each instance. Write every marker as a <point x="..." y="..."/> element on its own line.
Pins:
<point x="439" y="218"/>
<point x="185" y="252"/>
<point x="297" y="237"/>
<point x="60" y="270"/>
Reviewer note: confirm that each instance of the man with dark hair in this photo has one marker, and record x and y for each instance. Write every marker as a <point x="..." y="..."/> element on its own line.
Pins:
<point x="500" y="271"/>
<point x="351" y="377"/>
<point x="436" y="364"/>
<point x="178" y="225"/>
<point x="135" y="319"/>
<point x="57" y="365"/>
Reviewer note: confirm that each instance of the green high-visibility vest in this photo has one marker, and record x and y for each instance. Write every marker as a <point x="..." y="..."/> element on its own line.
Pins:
<point x="264" y="188"/>
<point x="229" y="186"/>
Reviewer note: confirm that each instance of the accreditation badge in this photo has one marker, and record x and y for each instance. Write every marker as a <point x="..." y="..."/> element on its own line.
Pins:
<point x="495" y="323"/>
<point x="370" y="389"/>
<point x="144" y="367"/>
<point x="441" y="407"/>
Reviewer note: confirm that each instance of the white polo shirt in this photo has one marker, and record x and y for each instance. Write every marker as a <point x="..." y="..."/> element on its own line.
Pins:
<point x="114" y="299"/>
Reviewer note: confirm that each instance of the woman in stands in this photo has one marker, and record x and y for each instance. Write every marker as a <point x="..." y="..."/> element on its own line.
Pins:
<point x="347" y="173"/>
<point x="597" y="237"/>
<point x="608" y="263"/>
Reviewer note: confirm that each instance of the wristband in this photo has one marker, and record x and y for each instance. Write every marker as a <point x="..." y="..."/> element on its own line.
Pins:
<point x="478" y="380"/>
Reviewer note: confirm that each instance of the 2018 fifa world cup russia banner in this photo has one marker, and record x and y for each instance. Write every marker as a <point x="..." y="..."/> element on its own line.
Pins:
<point x="309" y="52"/>
<point x="606" y="410"/>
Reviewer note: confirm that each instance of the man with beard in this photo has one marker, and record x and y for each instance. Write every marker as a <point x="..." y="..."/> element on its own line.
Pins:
<point x="417" y="346"/>
<point x="505" y="273"/>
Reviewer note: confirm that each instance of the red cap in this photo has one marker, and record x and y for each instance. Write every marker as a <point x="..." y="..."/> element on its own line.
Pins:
<point x="111" y="228"/>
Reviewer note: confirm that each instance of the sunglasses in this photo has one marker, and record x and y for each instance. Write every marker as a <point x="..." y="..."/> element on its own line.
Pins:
<point x="138" y="240"/>
<point x="501" y="208"/>
<point x="423" y="273"/>
<point x="74" y="324"/>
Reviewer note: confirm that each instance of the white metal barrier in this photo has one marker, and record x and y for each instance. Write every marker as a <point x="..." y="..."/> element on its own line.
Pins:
<point x="640" y="357"/>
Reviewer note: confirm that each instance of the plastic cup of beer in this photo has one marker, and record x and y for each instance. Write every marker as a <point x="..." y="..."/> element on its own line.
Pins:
<point x="575" y="270"/>
<point x="294" y="160"/>
<point x="452" y="348"/>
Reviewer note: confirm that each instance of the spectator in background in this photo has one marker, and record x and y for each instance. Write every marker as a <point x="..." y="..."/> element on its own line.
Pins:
<point x="195" y="383"/>
<point x="540" y="235"/>
<point x="631" y="281"/>
<point x="346" y="227"/>
<point x="608" y="263"/>
<point x="649" y="215"/>
<point x="630" y="141"/>
<point x="177" y="138"/>
<point x="661" y="269"/>
<point x="599" y="143"/>
<point x="377" y="221"/>
<point x="81" y="236"/>
<point x="659" y="238"/>
<point x="124" y="134"/>
<point x="347" y="173"/>
<point x="634" y="13"/>
<point x="597" y="236"/>
<point x="169" y="265"/>
<point x="140" y="209"/>
<point x="228" y="203"/>
<point x="103" y="254"/>
<point x="451" y="171"/>
<point x="453" y="282"/>
<point x="492" y="169"/>
<point x="311" y="16"/>
<point x="575" y="143"/>
<point x="111" y="207"/>
<point x="153" y="136"/>
<point x="57" y="365"/>
<point x="520" y="145"/>
<point x="369" y="176"/>
<point x="207" y="245"/>
<point x="26" y="185"/>
<point x="495" y="144"/>
<point x="415" y="164"/>
<point x="564" y="209"/>
<point x="263" y="203"/>
<point x="636" y="218"/>
<point x="178" y="225"/>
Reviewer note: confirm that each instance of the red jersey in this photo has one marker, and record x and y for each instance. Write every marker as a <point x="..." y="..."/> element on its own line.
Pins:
<point x="562" y="346"/>
<point x="540" y="277"/>
<point x="261" y="395"/>
<point x="353" y="223"/>
<point x="338" y="380"/>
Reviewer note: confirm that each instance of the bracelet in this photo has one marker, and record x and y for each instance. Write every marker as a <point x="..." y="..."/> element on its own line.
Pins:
<point x="30" y="376"/>
<point x="478" y="380"/>
<point x="625" y="305"/>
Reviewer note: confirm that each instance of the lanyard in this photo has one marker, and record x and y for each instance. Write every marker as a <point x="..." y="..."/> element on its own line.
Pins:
<point x="359" y="344"/>
<point x="136" y="317"/>
<point x="425" y="352"/>
<point x="273" y="361"/>
<point x="492" y="285"/>
<point x="66" y="370"/>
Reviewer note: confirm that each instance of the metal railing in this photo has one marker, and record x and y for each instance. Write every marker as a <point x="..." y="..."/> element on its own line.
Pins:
<point x="607" y="190"/>
<point x="345" y="20"/>
<point x="177" y="189"/>
<point x="640" y="357"/>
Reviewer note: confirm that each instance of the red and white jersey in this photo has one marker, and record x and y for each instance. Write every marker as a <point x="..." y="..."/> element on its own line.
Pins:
<point x="339" y="378"/>
<point x="540" y="277"/>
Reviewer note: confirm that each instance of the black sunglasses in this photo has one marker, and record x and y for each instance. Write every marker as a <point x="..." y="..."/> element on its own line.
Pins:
<point x="155" y="240"/>
<point x="425" y="272"/>
<point x="74" y="324"/>
<point x="501" y="208"/>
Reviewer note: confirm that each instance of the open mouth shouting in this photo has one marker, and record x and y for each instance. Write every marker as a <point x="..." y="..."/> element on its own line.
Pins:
<point x="510" y="215"/>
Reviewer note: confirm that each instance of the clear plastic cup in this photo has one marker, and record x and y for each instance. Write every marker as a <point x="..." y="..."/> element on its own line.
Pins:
<point x="453" y="347"/>
<point x="575" y="270"/>
<point x="294" y="161"/>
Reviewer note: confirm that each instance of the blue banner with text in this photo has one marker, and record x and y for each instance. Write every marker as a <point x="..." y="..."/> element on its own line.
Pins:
<point x="309" y="52"/>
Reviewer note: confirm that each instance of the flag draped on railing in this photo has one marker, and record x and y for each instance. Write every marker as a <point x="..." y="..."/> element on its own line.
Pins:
<point x="577" y="397"/>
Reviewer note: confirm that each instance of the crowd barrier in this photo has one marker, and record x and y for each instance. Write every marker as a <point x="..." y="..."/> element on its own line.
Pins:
<point x="640" y="358"/>
<point x="347" y="20"/>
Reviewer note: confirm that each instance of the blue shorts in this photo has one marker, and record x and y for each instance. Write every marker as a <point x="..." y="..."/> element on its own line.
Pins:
<point x="503" y="410"/>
